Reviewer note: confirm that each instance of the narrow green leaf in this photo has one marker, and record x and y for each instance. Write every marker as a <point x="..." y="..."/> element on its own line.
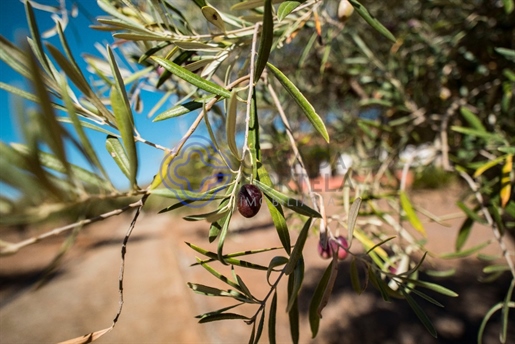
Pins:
<point x="465" y="253"/>
<point x="124" y="120"/>
<point x="472" y="214"/>
<point x="34" y="31"/>
<point x="286" y="8"/>
<point x="488" y="165"/>
<point x="222" y="316"/>
<point x="378" y="283"/>
<point x="276" y="211"/>
<point x="272" y="319"/>
<point x="260" y="327"/>
<point x="179" y="110"/>
<point x="410" y="213"/>
<point x="291" y="203"/>
<point x="495" y="268"/>
<point x="478" y="133"/>
<point x="428" y="285"/>
<point x="504" y="312"/>
<point x="472" y="119"/>
<point x="299" y="98"/>
<point x="314" y="316"/>
<point x="53" y="132"/>
<point x="219" y="275"/>
<point x="216" y="228"/>
<point x="275" y="262"/>
<point x="211" y="291"/>
<point x="298" y="278"/>
<point x="508" y="53"/>
<point x="115" y="149"/>
<point x="230" y="124"/>
<point x="293" y="314"/>
<point x="79" y="80"/>
<point x="351" y="219"/>
<point x="86" y="144"/>
<point x="221" y="237"/>
<point x="508" y="6"/>
<point x="192" y="78"/>
<point x="463" y="233"/>
<point x="266" y="40"/>
<point x="441" y="273"/>
<point x="330" y="285"/>
<point x="229" y="258"/>
<point x="363" y="12"/>
<point x="487" y="317"/>
<point x="420" y="313"/>
<point x="296" y="254"/>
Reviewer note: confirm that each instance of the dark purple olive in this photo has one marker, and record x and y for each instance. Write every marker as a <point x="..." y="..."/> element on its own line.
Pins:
<point x="333" y="247"/>
<point x="249" y="200"/>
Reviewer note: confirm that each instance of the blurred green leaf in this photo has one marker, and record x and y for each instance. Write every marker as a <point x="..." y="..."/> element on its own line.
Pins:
<point x="248" y="5"/>
<point x="299" y="98"/>
<point x="124" y="120"/>
<point x="354" y="277"/>
<point x="472" y="119"/>
<point x="410" y="213"/>
<point x="463" y="233"/>
<point x="478" y="133"/>
<point x="286" y="8"/>
<point x="441" y="273"/>
<point x="179" y="110"/>
<point x="351" y="219"/>
<point x="378" y="283"/>
<point x="363" y="12"/>
<point x="465" y="253"/>
<point x="420" y="313"/>
<point x="495" y="268"/>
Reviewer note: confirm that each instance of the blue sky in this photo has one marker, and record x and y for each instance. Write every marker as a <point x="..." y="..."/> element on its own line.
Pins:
<point x="81" y="39"/>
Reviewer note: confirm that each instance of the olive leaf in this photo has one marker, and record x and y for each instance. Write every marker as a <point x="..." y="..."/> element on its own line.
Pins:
<point x="267" y="37"/>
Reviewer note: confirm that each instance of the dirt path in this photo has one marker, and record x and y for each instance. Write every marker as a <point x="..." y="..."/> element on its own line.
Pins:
<point x="160" y="308"/>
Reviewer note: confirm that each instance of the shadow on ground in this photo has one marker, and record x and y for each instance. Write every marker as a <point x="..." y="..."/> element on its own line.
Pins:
<point x="367" y="318"/>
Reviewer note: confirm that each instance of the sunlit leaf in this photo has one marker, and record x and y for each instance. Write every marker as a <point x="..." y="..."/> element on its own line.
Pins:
<point x="115" y="149"/>
<point x="506" y="184"/>
<point x="495" y="268"/>
<point x="230" y="124"/>
<point x="192" y="78"/>
<point x="299" y="98"/>
<point x="410" y="213"/>
<point x="124" y="120"/>
<point x="488" y="165"/>
<point x="248" y="5"/>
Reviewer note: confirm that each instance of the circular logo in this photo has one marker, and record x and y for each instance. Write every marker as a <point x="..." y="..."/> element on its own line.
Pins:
<point x="197" y="173"/>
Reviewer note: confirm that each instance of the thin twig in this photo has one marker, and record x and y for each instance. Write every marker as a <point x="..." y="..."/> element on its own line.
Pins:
<point x="479" y="197"/>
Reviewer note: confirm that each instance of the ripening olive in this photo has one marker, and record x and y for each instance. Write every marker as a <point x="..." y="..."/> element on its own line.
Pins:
<point x="333" y="247"/>
<point x="249" y="200"/>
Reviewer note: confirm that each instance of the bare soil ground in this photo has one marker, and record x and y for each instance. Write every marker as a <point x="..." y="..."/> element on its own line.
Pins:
<point x="82" y="296"/>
